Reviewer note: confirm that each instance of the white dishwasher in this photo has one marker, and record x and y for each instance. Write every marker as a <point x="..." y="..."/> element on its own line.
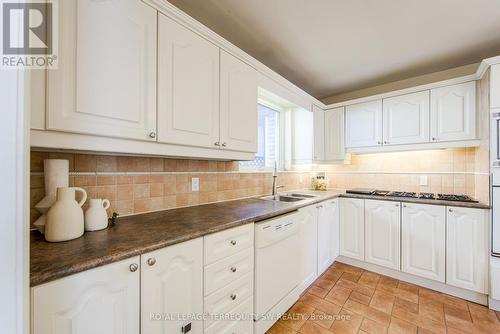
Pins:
<point x="277" y="273"/>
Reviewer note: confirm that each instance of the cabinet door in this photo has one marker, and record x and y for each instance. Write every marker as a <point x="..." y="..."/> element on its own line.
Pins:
<point x="328" y="234"/>
<point x="382" y="233"/>
<point x="308" y="250"/>
<point x="363" y="124"/>
<point x="453" y="112"/>
<point x="238" y="105"/>
<point x="406" y="119"/>
<point x="172" y="285"/>
<point x="319" y="133"/>
<point x="334" y="134"/>
<point x="495" y="86"/>
<point x="352" y="228"/>
<point x="101" y="300"/>
<point x="423" y="241"/>
<point x="106" y="81"/>
<point x="188" y="86"/>
<point x="467" y="249"/>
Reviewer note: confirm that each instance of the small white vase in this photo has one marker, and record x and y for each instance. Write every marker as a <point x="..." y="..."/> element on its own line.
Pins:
<point x="65" y="217"/>
<point x="96" y="217"/>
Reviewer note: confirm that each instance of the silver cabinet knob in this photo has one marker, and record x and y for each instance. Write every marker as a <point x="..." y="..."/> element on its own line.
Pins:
<point x="434" y="138"/>
<point x="152" y="134"/>
<point x="233" y="269"/>
<point x="379" y="143"/>
<point x="133" y="267"/>
<point x="386" y="142"/>
<point x="216" y="143"/>
<point x="405" y="206"/>
<point x="397" y="204"/>
<point x="224" y="144"/>
<point x="151" y="261"/>
<point x="450" y="210"/>
<point x="233" y="242"/>
<point x="233" y="296"/>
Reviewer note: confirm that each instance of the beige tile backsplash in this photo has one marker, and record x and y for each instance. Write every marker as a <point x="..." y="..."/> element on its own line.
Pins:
<point x="138" y="184"/>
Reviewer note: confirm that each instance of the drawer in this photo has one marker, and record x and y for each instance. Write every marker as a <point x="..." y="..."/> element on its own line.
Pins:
<point x="236" y="325"/>
<point x="229" y="297"/>
<point x="226" y="271"/>
<point x="226" y="243"/>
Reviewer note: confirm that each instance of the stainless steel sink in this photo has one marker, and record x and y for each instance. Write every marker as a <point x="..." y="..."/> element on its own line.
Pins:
<point x="288" y="197"/>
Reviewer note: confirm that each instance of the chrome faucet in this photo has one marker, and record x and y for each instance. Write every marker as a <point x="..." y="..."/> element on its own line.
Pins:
<point x="275" y="176"/>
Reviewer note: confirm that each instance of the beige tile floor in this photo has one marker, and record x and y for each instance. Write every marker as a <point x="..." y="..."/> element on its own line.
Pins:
<point x="347" y="299"/>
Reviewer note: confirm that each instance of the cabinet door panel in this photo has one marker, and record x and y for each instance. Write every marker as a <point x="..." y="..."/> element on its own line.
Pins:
<point x="101" y="300"/>
<point x="334" y="134"/>
<point x="308" y="245"/>
<point x="423" y="241"/>
<point x="352" y="228"/>
<point x="238" y="105"/>
<point x="363" y="124"/>
<point x="319" y="133"/>
<point x="453" y="112"/>
<point x="188" y="86"/>
<point x="467" y="249"/>
<point x="406" y="119"/>
<point x="328" y="234"/>
<point x="173" y="285"/>
<point x="106" y="81"/>
<point x="382" y="233"/>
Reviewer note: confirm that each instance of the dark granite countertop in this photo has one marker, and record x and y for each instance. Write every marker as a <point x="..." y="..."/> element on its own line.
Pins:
<point x="139" y="234"/>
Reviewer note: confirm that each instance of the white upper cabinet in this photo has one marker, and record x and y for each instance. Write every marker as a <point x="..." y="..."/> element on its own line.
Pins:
<point x="382" y="233"/>
<point x="406" y="119"/>
<point x="106" y="81"/>
<point x="363" y="124"/>
<point x="171" y="284"/>
<point x="319" y="133"/>
<point x="100" y="300"/>
<point x="453" y="112"/>
<point x="334" y="134"/>
<point x="238" y="105"/>
<point x="423" y="241"/>
<point x="467" y="248"/>
<point x="352" y="228"/>
<point x="495" y="86"/>
<point x="188" y="86"/>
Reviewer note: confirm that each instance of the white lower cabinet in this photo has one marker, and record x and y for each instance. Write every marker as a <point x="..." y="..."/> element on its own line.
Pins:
<point x="172" y="285"/>
<point x="352" y="228"/>
<point x="100" y="300"/>
<point x="328" y="234"/>
<point x="467" y="248"/>
<point x="308" y="249"/>
<point x="423" y="240"/>
<point x="382" y="233"/>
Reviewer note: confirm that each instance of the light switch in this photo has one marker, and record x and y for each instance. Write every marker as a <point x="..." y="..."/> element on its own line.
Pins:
<point x="423" y="180"/>
<point x="195" y="184"/>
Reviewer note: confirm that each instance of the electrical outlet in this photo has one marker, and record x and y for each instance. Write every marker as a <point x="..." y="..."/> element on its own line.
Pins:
<point x="423" y="180"/>
<point x="195" y="184"/>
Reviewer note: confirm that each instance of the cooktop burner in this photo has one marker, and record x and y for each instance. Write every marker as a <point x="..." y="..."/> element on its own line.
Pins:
<point x="402" y="194"/>
<point x="459" y="198"/>
<point x="426" y="196"/>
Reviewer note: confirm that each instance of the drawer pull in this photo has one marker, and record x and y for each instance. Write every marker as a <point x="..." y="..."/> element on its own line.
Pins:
<point x="151" y="261"/>
<point x="450" y="210"/>
<point x="233" y="269"/>
<point x="233" y="296"/>
<point x="133" y="267"/>
<point x="233" y="242"/>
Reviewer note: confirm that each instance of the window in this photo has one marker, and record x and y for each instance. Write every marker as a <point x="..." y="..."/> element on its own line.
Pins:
<point x="268" y="141"/>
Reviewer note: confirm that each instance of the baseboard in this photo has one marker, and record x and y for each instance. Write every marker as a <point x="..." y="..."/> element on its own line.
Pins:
<point x="494" y="304"/>
<point x="472" y="296"/>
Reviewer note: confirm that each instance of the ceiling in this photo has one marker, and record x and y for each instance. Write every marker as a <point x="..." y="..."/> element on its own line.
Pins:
<point x="329" y="47"/>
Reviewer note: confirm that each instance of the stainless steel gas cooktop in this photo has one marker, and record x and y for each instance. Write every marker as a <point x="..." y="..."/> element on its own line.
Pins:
<point x="406" y="194"/>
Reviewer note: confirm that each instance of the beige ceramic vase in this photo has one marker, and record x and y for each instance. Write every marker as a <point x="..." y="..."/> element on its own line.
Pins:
<point x="96" y="217"/>
<point x="65" y="217"/>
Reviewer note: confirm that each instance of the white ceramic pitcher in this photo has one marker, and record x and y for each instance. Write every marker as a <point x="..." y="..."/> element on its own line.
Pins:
<point x="65" y="217"/>
<point x="96" y="217"/>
